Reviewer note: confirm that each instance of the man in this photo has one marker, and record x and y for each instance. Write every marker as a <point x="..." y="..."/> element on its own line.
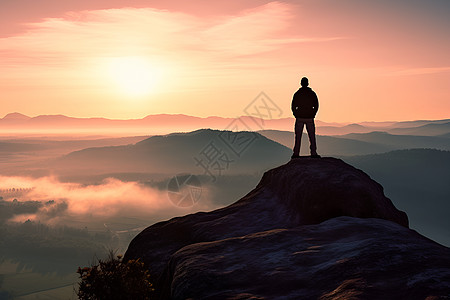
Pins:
<point x="304" y="107"/>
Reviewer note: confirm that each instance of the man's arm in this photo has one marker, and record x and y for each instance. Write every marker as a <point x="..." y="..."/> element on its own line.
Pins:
<point x="316" y="103"/>
<point x="293" y="105"/>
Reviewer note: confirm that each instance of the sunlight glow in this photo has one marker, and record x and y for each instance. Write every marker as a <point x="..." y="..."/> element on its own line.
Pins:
<point x="134" y="76"/>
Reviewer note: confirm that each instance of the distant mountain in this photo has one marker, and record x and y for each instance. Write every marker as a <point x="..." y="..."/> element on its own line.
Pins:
<point x="417" y="181"/>
<point x="378" y="124"/>
<point x="13" y="120"/>
<point x="35" y="146"/>
<point x="340" y="130"/>
<point x="422" y="127"/>
<point x="204" y="151"/>
<point x="16" y="123"/>
<point x="8" y="148"/>
<point x="152" y="124"/>
<point x="328" y="145"/>
<point x="360" y="143"/>
<point x="428" y="129"/>
<point x="417" y="123"/>
<point x="397" y="142"/>
<point x="16" y="116"/>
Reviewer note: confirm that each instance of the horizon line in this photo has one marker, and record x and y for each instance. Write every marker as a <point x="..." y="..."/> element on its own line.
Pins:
<point x="214" y="116"/>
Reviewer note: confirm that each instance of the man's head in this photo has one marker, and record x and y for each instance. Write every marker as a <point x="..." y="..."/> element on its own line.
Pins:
<point x="304" y="82"/>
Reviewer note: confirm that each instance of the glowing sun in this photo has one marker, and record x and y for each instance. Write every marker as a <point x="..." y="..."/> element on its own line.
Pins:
<point x="134" y="76"/>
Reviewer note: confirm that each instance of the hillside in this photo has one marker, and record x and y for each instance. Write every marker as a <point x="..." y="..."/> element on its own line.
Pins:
<point x="417" y="181"/>
<point x="360" y="143"/>
<point x="397" y="141"/>
<point x="427" y="129"/>
<point x="198" y="152"/>
<point x="327" y="145"/>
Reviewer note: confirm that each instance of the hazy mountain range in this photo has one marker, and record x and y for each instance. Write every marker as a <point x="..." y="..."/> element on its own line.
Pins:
<point x="416" y="180"/>
<point x="16" y="123"/>
<point x="206" y="151"/>
<point x="182" y="152"/>
<point x="360" y="143"/>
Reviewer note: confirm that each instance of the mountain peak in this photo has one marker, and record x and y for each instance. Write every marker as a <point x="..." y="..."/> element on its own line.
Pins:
<point x="16" y="116"/>
<point x="321" y="189"/>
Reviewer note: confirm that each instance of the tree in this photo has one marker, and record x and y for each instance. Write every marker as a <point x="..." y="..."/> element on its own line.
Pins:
<point x="114" y="279"/>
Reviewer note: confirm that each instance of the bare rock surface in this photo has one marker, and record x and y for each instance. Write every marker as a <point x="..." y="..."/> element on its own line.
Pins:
<point x="311" y="228"/>
<point x="342" y="258"/>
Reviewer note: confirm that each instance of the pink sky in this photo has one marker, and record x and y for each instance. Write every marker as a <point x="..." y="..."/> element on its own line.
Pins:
<point x="367" y="60"/>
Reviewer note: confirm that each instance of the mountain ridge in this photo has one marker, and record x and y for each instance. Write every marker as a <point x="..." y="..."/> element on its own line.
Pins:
<point x="141" y="156"/>
<point x="166" y="123"/>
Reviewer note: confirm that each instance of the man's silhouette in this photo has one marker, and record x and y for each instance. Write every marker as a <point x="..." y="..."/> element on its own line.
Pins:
<point x="304" y="107"/>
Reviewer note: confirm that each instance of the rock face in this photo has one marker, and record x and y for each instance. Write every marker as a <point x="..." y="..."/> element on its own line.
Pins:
<point x="312" y="228"/>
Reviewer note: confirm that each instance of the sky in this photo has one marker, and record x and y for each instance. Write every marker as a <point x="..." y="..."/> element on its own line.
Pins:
<point x="367" y="60"/>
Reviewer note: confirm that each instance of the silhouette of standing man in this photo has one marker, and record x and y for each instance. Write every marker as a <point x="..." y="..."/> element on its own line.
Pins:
<point x="304" y="107"/>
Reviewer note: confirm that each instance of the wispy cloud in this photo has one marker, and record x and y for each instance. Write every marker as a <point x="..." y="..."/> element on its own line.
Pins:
<point x="78" y="36"/>
<point x="419" y="71"/>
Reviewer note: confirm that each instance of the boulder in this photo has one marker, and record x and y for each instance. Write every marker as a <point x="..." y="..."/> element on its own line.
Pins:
<point x="310" y="228"/>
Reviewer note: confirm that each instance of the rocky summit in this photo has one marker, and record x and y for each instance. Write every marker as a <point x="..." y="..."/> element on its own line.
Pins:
<point x="311" y="229"/>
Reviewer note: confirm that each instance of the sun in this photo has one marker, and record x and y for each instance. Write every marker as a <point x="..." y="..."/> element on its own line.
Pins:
<point x="134" y="76"/>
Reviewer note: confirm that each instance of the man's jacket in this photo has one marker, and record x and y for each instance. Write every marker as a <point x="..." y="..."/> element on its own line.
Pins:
<point x="305" y="103"/>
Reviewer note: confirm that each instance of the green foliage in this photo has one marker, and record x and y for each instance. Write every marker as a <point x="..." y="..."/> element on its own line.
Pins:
<point x="114" y="279"/>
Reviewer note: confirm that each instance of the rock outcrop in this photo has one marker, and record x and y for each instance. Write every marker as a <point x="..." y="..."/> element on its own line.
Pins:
<point x="312" y="228"/>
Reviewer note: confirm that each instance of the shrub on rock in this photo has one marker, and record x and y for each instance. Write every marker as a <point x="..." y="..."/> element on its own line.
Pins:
<point x="114" y="279"/>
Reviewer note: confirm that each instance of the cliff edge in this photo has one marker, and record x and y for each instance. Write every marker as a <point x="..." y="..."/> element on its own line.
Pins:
<point x="312" y="228"/>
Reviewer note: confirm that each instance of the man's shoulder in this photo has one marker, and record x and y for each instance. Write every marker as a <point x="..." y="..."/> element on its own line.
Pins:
<point x="304" y="90"/>
<point x="310" y="91"/>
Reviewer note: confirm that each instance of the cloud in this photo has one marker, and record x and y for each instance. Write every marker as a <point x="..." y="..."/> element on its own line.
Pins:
<point x="78" y="37"/>
<point x="62" y="202"/>
<point x="65" y="63"/>
<point x="420" y="71"/>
